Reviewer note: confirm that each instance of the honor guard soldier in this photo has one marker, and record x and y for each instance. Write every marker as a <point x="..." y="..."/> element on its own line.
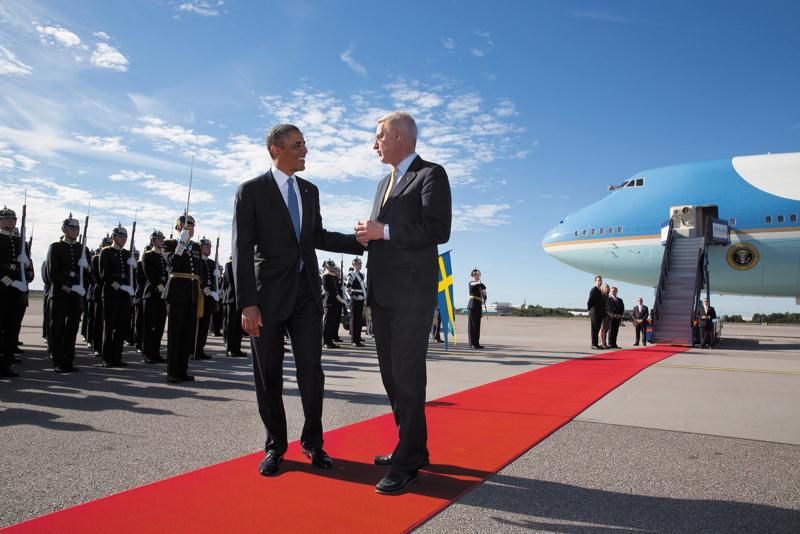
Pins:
<point x="330" y="304"/>
<point x="233" y="319"/>
<point x="138" y="305"/>
<point x="185" y="299"/>
<point x="96" y="330"/>
<point x="154" y="305"/>
<point x="477" y="299"/>
<point x="45" y="303"/>
<point x="13" y="289"/>
<point x="115" y="272"/>
<point x="66" y="259"/>
<point x="357" y="290"/>
<point x="210" y="297"/>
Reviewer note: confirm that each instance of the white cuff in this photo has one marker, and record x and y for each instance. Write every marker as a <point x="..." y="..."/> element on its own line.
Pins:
<point x="386" y="232"/>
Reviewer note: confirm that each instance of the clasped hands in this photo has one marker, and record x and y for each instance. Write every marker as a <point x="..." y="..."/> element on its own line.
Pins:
<point x="367" y="231"/>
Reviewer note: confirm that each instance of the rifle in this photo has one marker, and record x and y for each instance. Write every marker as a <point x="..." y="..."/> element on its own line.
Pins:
<point x="30" y="242"/>
<point x="83" y="242"/>
<point x="22" y="255"/>
<point x="133" y="234"/>
<point x="216" y="264"/>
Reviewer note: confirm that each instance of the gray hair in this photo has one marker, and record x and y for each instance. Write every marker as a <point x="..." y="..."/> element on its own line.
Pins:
<point x="276" y="135"/>
<point x="404" y="122"/>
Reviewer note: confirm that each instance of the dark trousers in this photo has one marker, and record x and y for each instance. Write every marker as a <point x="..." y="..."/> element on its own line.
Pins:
<point x="116" y="322"/>
<point x="305" y="330"/>
<point x="138" y="323"/>
<point x="474" y="331"/>
<point x="706" y="333"/>
<point x="597" y="322"/>
<point x="233" y="328"/>
<point x="88" y="321"/>
<point x="356" y="320"/>
<point x="330" y="323"/>
<point x="640" y="331"/>
<point x="202" y="333"/>
<point x="97" y="327"/>
<point x="155" y="317"/>
<point x="613" y="330"/>
<point x="45" y="314"/>
<point x="11" y="301"/>
<point x="84" y="321"/>
<point x="401" y="339"/>
<point x="65" y="317"/>
<point x="216" y="321"/>
<point x="19" y="316"/>
<point x="180" y="336"/>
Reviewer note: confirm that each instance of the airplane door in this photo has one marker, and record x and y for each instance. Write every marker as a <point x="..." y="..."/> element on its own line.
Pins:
<point x="683" y="219"/>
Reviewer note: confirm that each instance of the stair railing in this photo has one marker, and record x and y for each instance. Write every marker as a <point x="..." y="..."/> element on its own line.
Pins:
<point x="662" y="277"/>
<point x="700" y="279"/>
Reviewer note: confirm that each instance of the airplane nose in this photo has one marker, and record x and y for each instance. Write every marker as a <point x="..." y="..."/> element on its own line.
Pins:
<point x="552" y="236"/>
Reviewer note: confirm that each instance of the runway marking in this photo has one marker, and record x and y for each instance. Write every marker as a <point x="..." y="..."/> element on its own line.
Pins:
<point x="731" y="369"/>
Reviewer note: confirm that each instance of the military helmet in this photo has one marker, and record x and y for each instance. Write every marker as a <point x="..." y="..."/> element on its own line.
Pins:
<point x="475" y="271"/>
<point x="71" y="222"/>
<point x="7" y="213"/>
<point x="205" y="241"/>
<point x="106" y="241"/>
<point x="157" y="234"/>
<point x="328" y="264"/>
<point x="183" y="220"/>
<point x="356" y="260"/>
<point x="119" y="231"/>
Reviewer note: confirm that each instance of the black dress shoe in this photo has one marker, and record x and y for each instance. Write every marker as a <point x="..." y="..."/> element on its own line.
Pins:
<point x="386" y="459"/>
<point x="331" y="346"/>
<point x="635" y="344"/>
<point x="319" y="458"/>
<point x="395" y="483"/>
<point x="187" y="378"/>
<point x="596" y="347"/>
<point x="14" y="359"/>
<point x="358" y="344"/>
<point x="269" y="465"/>
<point x="477" y="346"/>
<point x="6" y="372"/>
<point x="65" y="369"/>
<point x="120" y="364"/>
<point x="172" y="379"/>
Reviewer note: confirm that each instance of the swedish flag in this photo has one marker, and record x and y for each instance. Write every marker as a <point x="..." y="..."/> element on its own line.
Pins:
<point x="446" y="306"/>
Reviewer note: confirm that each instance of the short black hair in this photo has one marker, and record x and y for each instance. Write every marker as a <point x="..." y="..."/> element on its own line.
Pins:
<point x="277" y="133"/>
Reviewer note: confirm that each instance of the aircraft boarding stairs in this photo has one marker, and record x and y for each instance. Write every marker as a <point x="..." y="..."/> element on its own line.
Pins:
<point x="684" y="275"/>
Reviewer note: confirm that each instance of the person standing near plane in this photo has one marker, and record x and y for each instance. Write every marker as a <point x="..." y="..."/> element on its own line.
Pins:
<point x="477" y="299"/>
<point x="705" y="318"/>
<point x="614" y="310"/>
<point x="605" y="322"/>
<point x="597" y="310"/>
<point x="357" y="290"/>
<point x="640" y="313"/>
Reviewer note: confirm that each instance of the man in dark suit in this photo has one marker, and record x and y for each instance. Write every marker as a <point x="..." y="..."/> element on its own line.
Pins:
<point x="276" y="228"/>
<point x="640" y="313"/>
<point x="597" y="310"/>
<point x="705" y="319"/>
<point x="411" y="215"/>
<point x="615" y="307"/>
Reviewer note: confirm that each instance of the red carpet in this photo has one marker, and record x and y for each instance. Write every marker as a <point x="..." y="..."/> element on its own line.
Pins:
<point x="472" y="434"/>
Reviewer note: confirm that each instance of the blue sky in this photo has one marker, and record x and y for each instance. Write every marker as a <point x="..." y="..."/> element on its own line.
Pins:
<point x="532" y="107"/>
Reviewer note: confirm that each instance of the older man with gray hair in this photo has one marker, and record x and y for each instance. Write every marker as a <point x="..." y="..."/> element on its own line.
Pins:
<point x="411" y="215"/>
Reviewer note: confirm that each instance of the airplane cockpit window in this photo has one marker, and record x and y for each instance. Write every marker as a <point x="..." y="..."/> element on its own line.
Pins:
<point x="768" y="219"/>
<point x="640" y="182"/>
<point x="780" y="218"/>
<point x="610" y="229"/>
<point x="594" y="231"/>
<point x="793" y="217"/>
<point x="585" y="232"/>
<point x="732" y="221"/>
<point x="619" y="229"/>
<point x="576" y="233"/>
<point x="602" y="231"/>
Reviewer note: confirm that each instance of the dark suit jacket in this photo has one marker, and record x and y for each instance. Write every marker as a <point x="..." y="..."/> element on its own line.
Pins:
<point x="266" y="253"/>
<point x="712" y="314"/>
<point x="596" y="305"/>
<point x="640" y="316"/>
<point x="613" y="308"/>
<point x="404" y="271"/>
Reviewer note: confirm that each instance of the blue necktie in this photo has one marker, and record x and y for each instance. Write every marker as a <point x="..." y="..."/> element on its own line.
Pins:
<point x="294" y="208"/>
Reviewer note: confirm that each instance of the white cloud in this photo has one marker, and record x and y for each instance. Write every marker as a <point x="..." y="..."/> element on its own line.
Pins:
<point x="25" y="163"/>
<point x="9" y="64"/>
<point x="349" y="60"/>
<point x="474" y="217"/>
<point x="103" y="144"/>
<point x="340" y="212"/>
<point x="56" y="35"/>
<point x="449" y="43"/>
<point x="168" y="136"/>
<point x="477" y="52"/>
<point x="201" y="7"/>
<point x="505" y="108"/>
<point x="598" y="15"/>
<point x="486" y="46"/>
<point x="106" y="56"/>
<point x="128" y="176"/>
<point x="164" y="189"/>
<point x="11" y="160"/>
<point x="102" y="35"/>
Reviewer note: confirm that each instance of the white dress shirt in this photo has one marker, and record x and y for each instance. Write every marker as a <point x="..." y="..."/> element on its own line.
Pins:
<point x="282" y="179"/>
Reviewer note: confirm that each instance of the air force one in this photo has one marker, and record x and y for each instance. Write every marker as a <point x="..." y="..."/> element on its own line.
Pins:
<point x="754" y="200"/>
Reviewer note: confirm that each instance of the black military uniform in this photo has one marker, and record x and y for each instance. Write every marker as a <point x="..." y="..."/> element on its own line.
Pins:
<point x="233" y="319"/>
<point x="13" y="291"/>
<point x="210" y="304"/>
<point x="477" y="297"/>
<point x="183" y="294"/>
<point x="45" y="303"/>
<point x="96" y="329"/>
<point x="115" y="272"/>
<point x="65" y="260"/>
<point x="330" y="305"/>
<point x="155" y="307"/>
<point x="357" y="290"/>
<point x="137" y="324"/>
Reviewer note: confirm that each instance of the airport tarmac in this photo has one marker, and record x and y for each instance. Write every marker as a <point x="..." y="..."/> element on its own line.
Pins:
<point x="704" y="441"/>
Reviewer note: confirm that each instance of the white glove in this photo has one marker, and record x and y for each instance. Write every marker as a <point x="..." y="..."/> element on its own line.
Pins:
<point x="207" y="291"/>
<point x="180" y="249"/>
<point x="127" y="289"/>
<point x="23" y="259"/>
<point x="79" y="289"/>
<point x="217" y="272"/>
<point x="160" y="288"/>
<point x="184" y="237"/>
<point x="132" y="262"/>
<point x="82" y="263"/>
<point x="20" y="285"/>
<point x="340" y="299"/>
<point x="6" y="280"/>
<point x="215" y="295"/>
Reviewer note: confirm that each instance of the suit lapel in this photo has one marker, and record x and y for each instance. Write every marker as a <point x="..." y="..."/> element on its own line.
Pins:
<point x="276" y="199"/>
<point x="402" y="184"/>
<point x="376" y="206"/>
<point x="308" y="207"/>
